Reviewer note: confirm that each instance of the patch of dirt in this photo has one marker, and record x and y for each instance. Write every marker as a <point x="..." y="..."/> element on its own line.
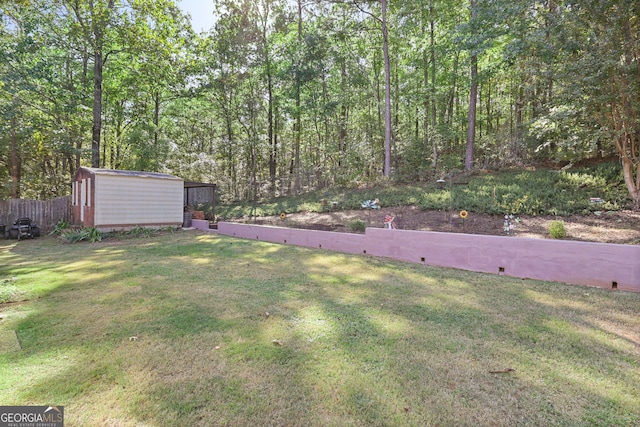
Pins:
<point x="609" y="227"/>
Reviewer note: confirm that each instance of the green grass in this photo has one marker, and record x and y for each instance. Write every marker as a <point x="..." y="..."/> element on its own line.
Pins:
<point x="518" y="192"/>
<point x="178" y="329"/>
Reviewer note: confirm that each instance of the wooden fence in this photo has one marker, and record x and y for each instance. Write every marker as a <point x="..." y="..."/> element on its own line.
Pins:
<point x="45" y="213"/>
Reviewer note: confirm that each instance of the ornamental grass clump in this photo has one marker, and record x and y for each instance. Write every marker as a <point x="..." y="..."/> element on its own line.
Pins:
<point x="75" y="235"/>
<point x="557" y="230"/>
<point x="357" y="226"/>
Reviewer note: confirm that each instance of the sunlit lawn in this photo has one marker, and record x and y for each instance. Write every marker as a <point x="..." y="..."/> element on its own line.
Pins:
<point x="179" y="330"/>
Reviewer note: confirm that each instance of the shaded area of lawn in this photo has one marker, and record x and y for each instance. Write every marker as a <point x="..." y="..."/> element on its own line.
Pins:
<point x="180" y="329"/>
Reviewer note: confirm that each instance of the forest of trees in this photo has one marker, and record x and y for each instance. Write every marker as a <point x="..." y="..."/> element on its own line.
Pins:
<point x="283" y="96"/>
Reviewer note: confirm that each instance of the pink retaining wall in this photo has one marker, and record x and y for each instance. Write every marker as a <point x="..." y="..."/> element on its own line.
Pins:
<point x="200" y="224"/>
<point x="343" y="242"/>
<point x="594" y="264"/>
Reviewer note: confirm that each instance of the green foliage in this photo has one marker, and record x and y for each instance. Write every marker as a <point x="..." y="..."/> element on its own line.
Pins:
<point x="555" y="84"/>
<point x="538" y="192"/>
<point x="59" y="228"/>
<point x="557" y="230"/>
<point x="74" y="235"/>
<point x="357" y="225"/>
<point x="207" y="208"/>
<point x="139" y="231"/>
<point x="9" y="290"/>
<point x="519" y="192"/>
<point x="81" y="234"/>
<point x="171" y="229"/>
<point x="94" y="235"/>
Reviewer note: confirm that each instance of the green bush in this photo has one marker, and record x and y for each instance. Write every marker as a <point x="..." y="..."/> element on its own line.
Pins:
<point x="77" y="235"/>
<point x="60" y="227"/>
<point x="357" y="225"/>
<point x="9" y="291"/>
<point x="557" y="230"/>
<point x="74" y="235"/>
<point x="139" y="231"/>
<point x="94" y="235"/>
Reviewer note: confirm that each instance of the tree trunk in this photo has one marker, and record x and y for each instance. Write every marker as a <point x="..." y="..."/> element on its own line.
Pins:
<point x="631" y="145"/>
<point x="387" y="92"/>
<point x="97" y="108"/>
<point x="432" y="90"/>
<point x="156" y="118"/>
<point x="489" y="108"/>
<point x="517" y="132"/>
<point x="15" y="162"/>
<point x="342" y="127"/>
<point x="99" y="24"/>
<point x="298" y="124"/>
<point x="473" y="100"/>
<point x="633" y="185"/>
<point x="451" y="102"/>
<point x="427" y="89"/>
<point x="270" y="133"/>
<point x="396" y="113"/>
<point x="426" y="105"/>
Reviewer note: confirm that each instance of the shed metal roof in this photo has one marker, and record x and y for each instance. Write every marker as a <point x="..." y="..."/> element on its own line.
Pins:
<point x="191" y="184"/>
<point x="139" y="174"/>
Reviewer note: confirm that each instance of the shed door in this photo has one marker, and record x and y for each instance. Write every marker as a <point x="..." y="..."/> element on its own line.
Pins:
<point x="83" y="200"/>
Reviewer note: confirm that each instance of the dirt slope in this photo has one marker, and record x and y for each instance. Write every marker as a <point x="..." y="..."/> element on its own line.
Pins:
<point x="608" y="227"/>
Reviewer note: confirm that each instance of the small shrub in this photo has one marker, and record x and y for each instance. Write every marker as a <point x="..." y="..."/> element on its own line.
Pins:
<point x="9" y="292"/>
<point x="557" y="230"/>
<point x="74" y="235"/>
<point x="139" y="231"/>
<point x="357" y="225"/>
<point x="94" y="235"/>
<point x="79" y="234"/>
<point x="61" y="226"/>
<point x="171" y="229"/>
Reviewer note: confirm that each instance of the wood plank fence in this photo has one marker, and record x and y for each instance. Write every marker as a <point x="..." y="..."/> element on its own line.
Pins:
<point x="45" y="213"/>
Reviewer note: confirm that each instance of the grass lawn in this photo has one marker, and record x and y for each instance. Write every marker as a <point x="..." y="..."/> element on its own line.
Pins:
<point x="179" y="330"/>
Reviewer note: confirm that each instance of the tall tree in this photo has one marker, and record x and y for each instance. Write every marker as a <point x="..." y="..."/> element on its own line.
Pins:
<point x="93" y="22"/>
<point x="387" y="90"/>
<point x="297" y="110"/>
<point x="473" y="94"/>
<point x="602" y="75"/>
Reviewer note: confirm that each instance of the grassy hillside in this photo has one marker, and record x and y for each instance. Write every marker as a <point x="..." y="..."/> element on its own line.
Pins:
<point x="523" y="192"/>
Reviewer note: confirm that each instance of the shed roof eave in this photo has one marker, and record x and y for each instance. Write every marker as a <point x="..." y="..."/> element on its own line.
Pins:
<point x="128" y="173"/>
<point x="191" y="184"/>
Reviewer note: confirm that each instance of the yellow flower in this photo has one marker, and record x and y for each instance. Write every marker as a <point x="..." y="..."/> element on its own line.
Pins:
<point x="283" y="215"/>
<point x="464" y="214"/>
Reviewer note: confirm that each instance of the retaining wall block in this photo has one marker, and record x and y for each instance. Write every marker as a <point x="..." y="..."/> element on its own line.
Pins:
<point x="604" y="265"/>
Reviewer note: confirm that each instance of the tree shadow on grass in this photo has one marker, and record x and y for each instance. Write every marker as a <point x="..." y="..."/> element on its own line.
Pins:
<point x="182" y="332"/>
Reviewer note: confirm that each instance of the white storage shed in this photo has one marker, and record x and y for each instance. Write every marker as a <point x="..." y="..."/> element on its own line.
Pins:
<point x="118" y="199"/>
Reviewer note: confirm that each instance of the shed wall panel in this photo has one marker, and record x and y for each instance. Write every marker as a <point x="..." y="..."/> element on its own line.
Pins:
<point x="135" y="200"/>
